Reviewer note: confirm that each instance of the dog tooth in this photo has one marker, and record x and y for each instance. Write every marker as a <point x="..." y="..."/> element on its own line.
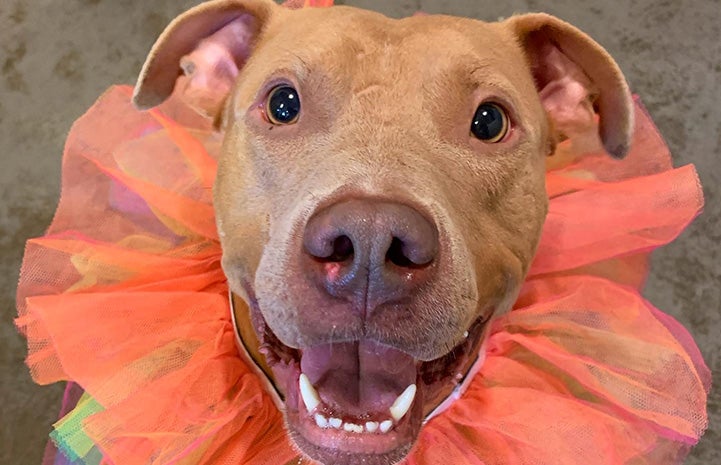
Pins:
<point x="308" y="393"/>
<point x="385" y="426"/>
<point x="352" y="428"/>
<point x="335" y="422"/>
<point x="403" y="403"/>
<point x="465" y="335"/>
<point x="371" y="426"/>
<point x="321" y="421"/>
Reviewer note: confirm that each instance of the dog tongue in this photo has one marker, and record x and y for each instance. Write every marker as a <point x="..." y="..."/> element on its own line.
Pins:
<point x="359" y="379"/>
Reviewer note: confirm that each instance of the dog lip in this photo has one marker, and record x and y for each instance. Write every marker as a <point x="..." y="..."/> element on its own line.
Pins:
<point x="342" y="457"/>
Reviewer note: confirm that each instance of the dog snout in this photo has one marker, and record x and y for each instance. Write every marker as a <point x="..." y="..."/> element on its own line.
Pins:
<point x="370" y="252"/>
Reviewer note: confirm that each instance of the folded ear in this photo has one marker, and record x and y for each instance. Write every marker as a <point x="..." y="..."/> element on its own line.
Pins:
<point x="208" y="44"/>
<point x="576" y="78"/>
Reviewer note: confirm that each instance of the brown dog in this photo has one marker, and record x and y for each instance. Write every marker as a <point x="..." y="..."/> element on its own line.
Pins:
<point x="380" y="193"/>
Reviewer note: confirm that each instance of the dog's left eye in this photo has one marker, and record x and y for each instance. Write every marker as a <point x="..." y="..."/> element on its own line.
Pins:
<point x="283" y="105"/>
<point x="490" y="123"/>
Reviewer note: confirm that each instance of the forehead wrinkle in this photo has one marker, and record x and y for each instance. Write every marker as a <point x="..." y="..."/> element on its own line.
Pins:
<point x="470" y="73"/>
<point x="290" y="64"/>
<point x="491" y="76"/>
<point x="465" y="71"/>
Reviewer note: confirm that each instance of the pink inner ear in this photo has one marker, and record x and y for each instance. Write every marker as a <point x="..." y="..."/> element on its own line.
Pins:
<point x="212" y="67"/>
<point x="566" y="93"/>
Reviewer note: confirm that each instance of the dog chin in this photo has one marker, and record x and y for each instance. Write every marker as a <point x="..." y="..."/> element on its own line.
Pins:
<point x="333" y="455"/>
<point x="362" y="401"/>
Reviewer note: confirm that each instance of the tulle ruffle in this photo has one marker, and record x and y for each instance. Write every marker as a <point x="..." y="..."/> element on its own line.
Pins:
<point x="125" y="296"/>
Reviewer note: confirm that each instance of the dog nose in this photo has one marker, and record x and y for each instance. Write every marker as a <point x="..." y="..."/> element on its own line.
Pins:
<point x="370" y="252"/>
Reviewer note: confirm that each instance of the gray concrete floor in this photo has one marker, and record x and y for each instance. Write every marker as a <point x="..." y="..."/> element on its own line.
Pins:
<point x="57" y="56"/>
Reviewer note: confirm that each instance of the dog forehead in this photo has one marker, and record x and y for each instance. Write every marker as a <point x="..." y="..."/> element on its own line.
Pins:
<point x="365" y="45"/>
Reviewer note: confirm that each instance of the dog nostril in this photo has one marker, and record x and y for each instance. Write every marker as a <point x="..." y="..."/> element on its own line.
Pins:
<point x="342" y="250"/>
<point x="398" y="256"/>
<point x="395" y="254"/>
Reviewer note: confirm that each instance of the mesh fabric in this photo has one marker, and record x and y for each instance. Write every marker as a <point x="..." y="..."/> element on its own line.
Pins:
<point x="125" y="296"/>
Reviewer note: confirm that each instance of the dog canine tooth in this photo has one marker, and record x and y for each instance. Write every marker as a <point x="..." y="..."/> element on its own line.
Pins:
<point x="308" y="393"/>
<point x="403" y="403"/>
<point x="321" y="421"/>
<point x="385" y="426"/>
<point x="371" y="426"/>
<point x="335" y="422"/>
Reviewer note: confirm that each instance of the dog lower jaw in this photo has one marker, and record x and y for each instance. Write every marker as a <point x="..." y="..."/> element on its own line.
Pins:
<point x="338" y="456"/>
<point x="336" y="432"/>
<point x="348" y="441"/>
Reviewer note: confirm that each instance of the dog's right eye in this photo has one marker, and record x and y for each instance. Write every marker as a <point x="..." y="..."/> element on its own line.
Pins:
<point x="283" y="105"/>
<point x="490" y="123"/>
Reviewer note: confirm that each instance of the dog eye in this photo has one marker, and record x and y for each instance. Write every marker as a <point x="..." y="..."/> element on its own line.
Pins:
<point x="283" y="105"/>
<point x="490" y="123"/>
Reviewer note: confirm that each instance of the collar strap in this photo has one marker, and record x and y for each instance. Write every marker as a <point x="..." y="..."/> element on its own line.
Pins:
<point x="248" y="359"/>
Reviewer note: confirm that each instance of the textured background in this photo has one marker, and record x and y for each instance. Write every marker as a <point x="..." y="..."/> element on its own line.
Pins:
<point x="57" y="56"/>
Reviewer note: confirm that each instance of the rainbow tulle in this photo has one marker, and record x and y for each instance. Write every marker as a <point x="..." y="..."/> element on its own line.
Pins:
<point x="125" y="297"/>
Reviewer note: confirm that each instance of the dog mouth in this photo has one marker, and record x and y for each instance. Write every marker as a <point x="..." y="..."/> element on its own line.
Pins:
<point x="362" y="401"/>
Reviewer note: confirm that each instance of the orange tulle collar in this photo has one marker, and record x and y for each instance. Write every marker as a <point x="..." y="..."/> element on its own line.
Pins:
<point x="125" y="296"/>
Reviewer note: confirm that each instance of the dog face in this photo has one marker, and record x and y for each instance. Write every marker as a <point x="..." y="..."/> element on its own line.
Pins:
<point x="380" y="192"/>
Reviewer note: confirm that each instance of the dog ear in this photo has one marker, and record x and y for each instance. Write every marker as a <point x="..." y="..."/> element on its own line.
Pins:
<point x="208" y="44"/>
<point x="576" y="78"/>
